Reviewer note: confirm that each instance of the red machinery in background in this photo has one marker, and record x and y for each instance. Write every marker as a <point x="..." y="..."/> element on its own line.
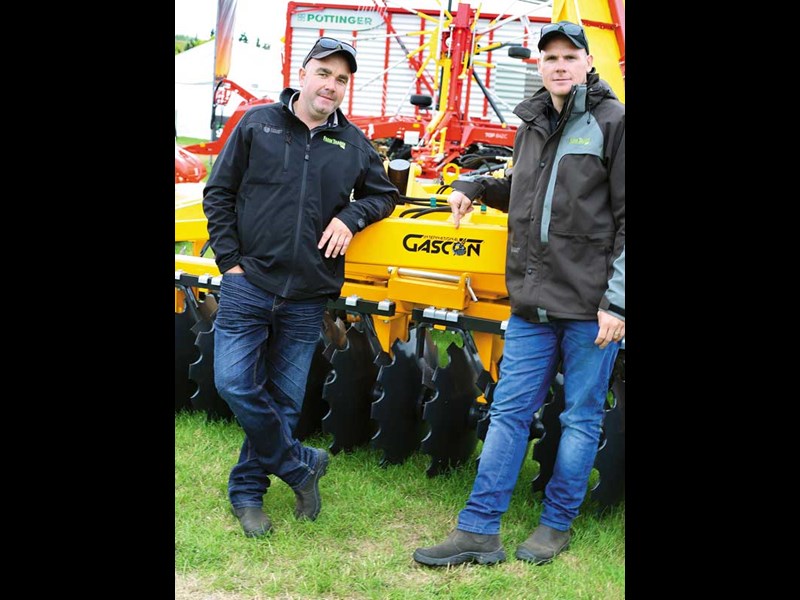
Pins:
<point x="429" y="64"/>
<point x="188" y="168"/>
<point x="222" y="96"/>
<point x="440" y="131"/>
<point x="446" y="134"/>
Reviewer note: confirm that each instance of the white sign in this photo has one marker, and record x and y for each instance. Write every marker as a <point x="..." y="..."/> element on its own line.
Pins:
<point x="334" y="18"/>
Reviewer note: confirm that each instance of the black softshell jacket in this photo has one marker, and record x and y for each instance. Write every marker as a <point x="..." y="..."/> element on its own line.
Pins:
<point x="274" y="189"/>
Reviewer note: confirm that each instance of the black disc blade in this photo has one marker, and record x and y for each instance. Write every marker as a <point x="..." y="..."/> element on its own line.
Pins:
<point x="185" y="354"/>
<point x="451" y="440"/>
<point x="314" y="407"/>
<point x="396" y="411"/>
<point x="206" y="397"/>
<point x="348" y="392"/>
<point x="546" y="449"/>
<point x="610" y="461"/>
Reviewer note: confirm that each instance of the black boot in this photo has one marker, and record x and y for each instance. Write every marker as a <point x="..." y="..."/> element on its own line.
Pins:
<point x="462" y="546"/>
<point x="254" y="522"/>
<point x="543" y="545"/>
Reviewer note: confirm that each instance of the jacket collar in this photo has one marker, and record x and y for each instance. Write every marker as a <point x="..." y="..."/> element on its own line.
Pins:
<point x="585" y="98"/>
<point x="288" y="96"/>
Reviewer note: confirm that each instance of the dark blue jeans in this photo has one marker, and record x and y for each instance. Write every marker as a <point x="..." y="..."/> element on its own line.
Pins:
<point x="263" y="345"/>
<point x="530" y="358"/>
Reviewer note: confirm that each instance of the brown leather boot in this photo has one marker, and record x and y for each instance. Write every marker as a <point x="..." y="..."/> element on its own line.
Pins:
<point x="543" y="545"/>
<point x="462" y="546"/>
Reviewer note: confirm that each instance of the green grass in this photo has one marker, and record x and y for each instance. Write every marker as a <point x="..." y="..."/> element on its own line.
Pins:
<point x="185" y="141"/>
<point x="443" y="339"/>
<point x="372" y="520"/>
<point x="184" y="42"/>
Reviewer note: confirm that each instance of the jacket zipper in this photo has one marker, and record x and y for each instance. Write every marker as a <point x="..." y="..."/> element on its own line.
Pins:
<point x="300" y="203"/>
<point x="562" y="123"/>
<point x="286" y="150"/>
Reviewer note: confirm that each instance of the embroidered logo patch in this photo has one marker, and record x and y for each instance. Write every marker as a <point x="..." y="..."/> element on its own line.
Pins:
<point x="580" y="141"/>
<point x="339" y="143"/>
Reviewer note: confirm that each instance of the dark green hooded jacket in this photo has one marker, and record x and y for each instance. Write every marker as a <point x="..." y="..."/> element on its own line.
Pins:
<point x="565" y="198"/>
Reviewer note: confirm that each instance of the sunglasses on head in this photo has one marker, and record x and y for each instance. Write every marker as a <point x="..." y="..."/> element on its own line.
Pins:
<point x="334" y="44"/>
<point x="568" y="28"/>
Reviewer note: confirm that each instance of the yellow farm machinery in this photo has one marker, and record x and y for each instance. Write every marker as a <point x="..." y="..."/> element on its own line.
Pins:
<point x="410" y="352"/>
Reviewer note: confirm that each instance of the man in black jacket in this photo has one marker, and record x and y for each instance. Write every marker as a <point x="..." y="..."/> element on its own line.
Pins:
<point x="280" y="219"/>
<point x="565" y="273"/>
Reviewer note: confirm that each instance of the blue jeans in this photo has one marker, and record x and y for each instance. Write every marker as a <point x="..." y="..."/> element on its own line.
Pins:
<point x="263" y="345"/>
<point x="530" y="358"/>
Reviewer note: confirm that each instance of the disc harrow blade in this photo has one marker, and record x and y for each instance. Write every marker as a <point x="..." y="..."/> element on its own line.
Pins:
<point x="185" y="353"/>
<point x="451" y="440"/>
<point x="398" y="409"/>
<point x="348" y="390"/>
<point x="545" y="450"/>
<point x="314" y="407"/>
<point x="610" y="460"/>
<point x="201" y="371"/>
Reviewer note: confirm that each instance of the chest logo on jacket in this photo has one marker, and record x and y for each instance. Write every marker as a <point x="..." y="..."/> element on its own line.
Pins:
<point x="339" y="143"/>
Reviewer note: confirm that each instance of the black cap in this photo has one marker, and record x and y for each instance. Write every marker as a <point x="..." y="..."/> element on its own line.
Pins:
<point x="325" y="46"/>
<point x="571" y="31"/>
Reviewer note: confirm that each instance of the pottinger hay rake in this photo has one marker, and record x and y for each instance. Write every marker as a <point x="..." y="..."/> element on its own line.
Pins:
<point x="380" y="375"/>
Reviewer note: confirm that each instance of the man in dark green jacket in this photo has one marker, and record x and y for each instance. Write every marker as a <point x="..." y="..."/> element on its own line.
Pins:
<point x="565" y="273"/>
<point x="280" y="218"/>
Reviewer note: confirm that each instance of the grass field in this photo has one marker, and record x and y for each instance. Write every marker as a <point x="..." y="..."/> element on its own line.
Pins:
<point x="372" y="520"/>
